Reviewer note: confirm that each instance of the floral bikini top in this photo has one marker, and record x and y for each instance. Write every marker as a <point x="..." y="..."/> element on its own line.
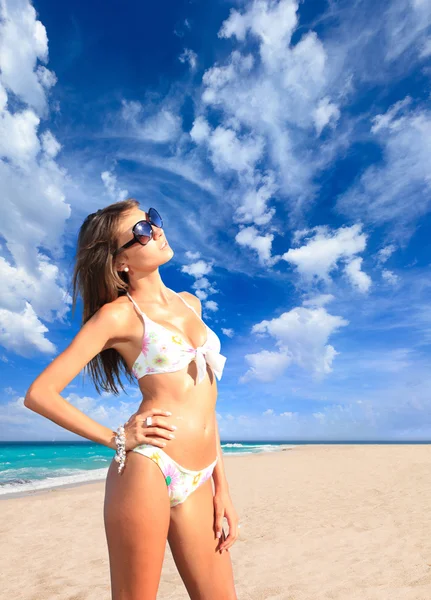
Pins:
<point x="165" y="352"/>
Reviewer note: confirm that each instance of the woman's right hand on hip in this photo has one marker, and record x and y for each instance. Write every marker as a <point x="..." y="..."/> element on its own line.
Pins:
<point x="138" y="432"/>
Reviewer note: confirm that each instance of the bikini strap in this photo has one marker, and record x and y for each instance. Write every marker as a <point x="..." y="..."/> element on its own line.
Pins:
<point x="136" y="306"/>
<point x="187" y="304"/>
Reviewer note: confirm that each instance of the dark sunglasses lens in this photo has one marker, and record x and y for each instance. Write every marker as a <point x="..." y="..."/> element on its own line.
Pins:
<point x="142" y="231"/>
<point x="155" y="218"/>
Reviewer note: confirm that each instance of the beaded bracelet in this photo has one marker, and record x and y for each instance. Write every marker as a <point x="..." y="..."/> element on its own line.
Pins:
<point x="120" y="455"/>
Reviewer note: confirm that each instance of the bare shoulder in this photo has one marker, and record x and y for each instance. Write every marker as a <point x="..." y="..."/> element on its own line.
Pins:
<point x="115" y="314"/>
<point x="193" y="301"/>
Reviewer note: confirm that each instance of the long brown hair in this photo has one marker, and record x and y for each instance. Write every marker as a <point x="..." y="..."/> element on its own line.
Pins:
<point x="97" y="281"/>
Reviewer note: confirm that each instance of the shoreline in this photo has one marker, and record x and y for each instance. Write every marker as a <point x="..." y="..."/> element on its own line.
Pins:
<point x="77" y="484"/>
<point x="95" y="481"/>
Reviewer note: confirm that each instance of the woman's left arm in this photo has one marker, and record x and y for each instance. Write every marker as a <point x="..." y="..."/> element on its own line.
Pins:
<point x="223" y="506"/>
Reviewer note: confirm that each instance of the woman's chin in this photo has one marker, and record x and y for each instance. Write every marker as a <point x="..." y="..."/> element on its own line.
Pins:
<point x="168" y="254"/>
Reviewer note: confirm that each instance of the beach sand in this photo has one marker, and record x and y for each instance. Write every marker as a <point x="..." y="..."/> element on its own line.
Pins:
<point x="318" y="522"/>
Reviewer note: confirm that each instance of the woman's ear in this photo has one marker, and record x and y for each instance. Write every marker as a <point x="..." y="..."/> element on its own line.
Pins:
<point x="119" y="264"/>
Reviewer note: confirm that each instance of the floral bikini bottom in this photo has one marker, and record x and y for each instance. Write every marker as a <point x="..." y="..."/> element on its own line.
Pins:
<point x="180" y="482"/>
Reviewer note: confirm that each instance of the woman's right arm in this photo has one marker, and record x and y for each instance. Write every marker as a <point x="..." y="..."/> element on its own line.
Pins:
<point x="43" y="396"/>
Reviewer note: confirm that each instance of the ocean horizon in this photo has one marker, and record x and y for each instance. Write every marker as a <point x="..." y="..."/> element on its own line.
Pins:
<point x="37" y="465"/>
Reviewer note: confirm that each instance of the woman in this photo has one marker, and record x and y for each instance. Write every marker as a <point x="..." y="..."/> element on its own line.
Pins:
<point x="135" y="325"/>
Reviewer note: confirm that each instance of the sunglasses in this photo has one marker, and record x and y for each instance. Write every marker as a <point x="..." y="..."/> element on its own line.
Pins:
<point x="143" y="230"/>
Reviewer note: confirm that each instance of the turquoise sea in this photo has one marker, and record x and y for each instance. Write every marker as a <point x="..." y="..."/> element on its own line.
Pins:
<point x="27" y="466"/>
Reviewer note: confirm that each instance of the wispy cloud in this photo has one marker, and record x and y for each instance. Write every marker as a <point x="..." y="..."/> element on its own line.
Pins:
<point x="190" y="57"/>
<point x="111" y="185"/>
<point x="383" y="193"/>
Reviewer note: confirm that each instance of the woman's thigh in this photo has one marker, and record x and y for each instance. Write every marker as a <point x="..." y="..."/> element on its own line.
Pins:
<point x="206" y="573"/>
<point x="136" y="516"/>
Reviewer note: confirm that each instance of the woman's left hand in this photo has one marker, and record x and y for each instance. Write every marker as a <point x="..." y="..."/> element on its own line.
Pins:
<point x="223" y="507"/>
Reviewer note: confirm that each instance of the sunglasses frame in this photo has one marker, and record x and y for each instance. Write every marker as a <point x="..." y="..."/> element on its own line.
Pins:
<point x="135" y="239"/>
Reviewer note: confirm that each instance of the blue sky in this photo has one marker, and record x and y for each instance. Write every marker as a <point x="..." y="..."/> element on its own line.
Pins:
<point x="287" y="147"/>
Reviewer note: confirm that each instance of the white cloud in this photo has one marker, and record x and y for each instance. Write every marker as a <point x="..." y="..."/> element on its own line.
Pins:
<point x="50" y="145"/>
<point x="111" y="185"/>
<point x="46" y="77"/>
<point x="266" y="366"/>
<point x="228" y="332"/>
<point x="387" y="119"/>
<point x="23" y="332"/>
<point x="201" y="285"/>
<point x="200" y="130"/>
<point x="301" y="336"/>
<point x="273" y="23"/>
<point x="320" y="255"/>
<point x="19" y="142"/>
<point x="249" y="236"/>
<point x="390" y="276"/>
<point x="358" y="278"/>
<point x="211" y="305"/>
<point x="217" y="77"/>
<point x="192" y="255"/>
<point x="231" y="153"/>
<point x="131" y="110"/>
<point x="197" y="269"/>
<point x="161" y="126"/>
<point x="326" y="112"/>
<point x="319" y="300"/>
<point x="203" y="288"/>
<point x="40" y="288"/>
<point x="253" y="207"/>
<point x="385" y="253"/>
<point x="190" y="57"/>
<point x="83" y="403"/>
<point x="33" y="210"/>
<point x="23" y="41"/>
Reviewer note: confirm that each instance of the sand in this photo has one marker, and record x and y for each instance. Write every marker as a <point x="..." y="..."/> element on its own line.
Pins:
<point x="318" y="522"/>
